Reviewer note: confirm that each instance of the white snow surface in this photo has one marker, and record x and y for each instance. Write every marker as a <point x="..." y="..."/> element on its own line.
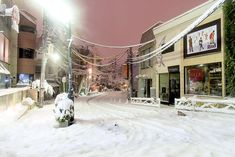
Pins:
<point x="107" y="126"/>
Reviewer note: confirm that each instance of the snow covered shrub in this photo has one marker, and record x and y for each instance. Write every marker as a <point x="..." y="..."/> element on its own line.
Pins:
<point x="60" y="97"/>
<point x="64" y="108"/>
<point x="48" y="88"/>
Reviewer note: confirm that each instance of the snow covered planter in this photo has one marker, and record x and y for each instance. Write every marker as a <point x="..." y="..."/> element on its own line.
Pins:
<point x="64" y="110"/>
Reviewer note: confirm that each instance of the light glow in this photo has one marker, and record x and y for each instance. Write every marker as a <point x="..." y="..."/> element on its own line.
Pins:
<point x="57" y="9"/>
<point x="55" y="57"/>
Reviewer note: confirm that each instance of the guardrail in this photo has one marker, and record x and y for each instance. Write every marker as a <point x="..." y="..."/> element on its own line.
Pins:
<point x="146" y="101"/>
<point x="209" y="105"/>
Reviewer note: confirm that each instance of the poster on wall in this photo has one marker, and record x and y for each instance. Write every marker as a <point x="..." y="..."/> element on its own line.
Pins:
<point x="203" y="39"/>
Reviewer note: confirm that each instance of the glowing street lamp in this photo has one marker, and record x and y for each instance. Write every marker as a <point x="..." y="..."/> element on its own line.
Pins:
<point x="61" y="12"/>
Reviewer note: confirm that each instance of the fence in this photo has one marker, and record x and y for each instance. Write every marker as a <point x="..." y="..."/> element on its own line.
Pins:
<point x="146" y="101"/>
<point x="210" y="105"/>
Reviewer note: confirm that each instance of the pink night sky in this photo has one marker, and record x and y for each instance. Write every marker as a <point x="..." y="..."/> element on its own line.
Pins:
<point x="121" y="22"/>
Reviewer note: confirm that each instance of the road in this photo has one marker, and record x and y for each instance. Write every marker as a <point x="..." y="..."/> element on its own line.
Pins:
<point x="108" y="126"/>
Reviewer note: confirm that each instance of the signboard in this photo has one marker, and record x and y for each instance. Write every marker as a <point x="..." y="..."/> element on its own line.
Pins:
<point x="203" y="39"/>
<point x="174" y="69"/>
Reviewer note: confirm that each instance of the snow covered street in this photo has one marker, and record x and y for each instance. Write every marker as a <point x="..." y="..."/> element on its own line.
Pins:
<point x="107" y="126"/>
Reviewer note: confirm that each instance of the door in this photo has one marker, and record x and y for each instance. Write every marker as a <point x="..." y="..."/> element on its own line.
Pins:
<point x="174" y="87"/>
<point x="148" y="85"/>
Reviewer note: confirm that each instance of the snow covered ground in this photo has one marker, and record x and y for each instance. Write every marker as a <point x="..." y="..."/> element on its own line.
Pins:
<point x="107" y="126"/>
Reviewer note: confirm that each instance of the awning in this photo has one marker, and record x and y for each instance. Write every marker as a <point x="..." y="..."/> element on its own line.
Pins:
<point x="3" y="69"/>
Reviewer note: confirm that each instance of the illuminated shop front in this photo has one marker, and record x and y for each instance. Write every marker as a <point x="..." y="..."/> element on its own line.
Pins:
<point x="203" y="45"/>
<point x="204" y="79"/>
<point x="25" y="79"/>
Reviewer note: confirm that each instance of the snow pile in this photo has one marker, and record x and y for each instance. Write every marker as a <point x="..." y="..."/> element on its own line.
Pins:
<point x="48" y="88"/>
<point x="64" y="108"/>
<point x="28" y="101"/>
<point x="12" y="113"/>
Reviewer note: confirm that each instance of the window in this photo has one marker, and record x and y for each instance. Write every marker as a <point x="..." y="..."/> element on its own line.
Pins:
<point x="4" y="48"/>
<point x="204" y="79"/>
<point x="27" y="29"/>
<point x="25" y="78"/>
<point x="169" y="49"/>
<point x="26" y="53"/>
<point x="148" y="63"/>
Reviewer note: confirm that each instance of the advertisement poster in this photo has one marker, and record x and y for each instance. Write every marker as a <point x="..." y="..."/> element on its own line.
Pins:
<point x="204" y="39"/>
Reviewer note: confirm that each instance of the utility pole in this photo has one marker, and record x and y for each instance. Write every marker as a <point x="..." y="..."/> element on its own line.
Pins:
<point x="44" y="59"/>
<point x="130" y="72"/>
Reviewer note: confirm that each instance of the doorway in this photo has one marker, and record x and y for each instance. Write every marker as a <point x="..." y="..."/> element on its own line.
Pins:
<point x="148" y="85"/>
<point x="174" y="87"/>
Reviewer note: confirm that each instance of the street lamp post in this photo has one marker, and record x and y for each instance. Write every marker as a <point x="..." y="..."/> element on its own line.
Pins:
<point x="70" y="88"/>
<point x="62" y="13"/>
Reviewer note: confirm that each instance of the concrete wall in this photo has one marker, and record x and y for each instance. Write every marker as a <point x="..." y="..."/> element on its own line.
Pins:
<point x="11" y="97"/>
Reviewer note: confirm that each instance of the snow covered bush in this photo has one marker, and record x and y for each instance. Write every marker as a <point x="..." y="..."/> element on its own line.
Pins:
<point x="48" y="88"/>
<point x="60" y="97"/>
<point x="64" y="108"/>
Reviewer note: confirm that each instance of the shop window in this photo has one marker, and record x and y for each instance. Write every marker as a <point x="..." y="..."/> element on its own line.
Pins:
<point x="25" y="78"/>
<point x="204" y="79"/>
<point x="26" y="53"/>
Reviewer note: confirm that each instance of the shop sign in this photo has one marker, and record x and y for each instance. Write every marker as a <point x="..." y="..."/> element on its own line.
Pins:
<point x="174" y="69"/>
<point x="196" y="74"/>
<point x="203" y="39"/>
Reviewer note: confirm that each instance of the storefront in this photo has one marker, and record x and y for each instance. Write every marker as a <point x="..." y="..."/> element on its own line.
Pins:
<point x="195" y="65"/>
<point x="203" y="60"/>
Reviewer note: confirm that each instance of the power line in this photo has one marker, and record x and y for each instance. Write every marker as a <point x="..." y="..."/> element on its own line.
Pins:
<point x="150" y="55"/>
<point x="113" y="46"/>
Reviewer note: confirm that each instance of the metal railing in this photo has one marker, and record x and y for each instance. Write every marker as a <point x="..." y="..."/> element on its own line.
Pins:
<point x="209" y="105"/>
<point x="146" y="101"/>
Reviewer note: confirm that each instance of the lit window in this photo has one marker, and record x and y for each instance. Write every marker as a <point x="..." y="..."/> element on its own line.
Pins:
<point x="204" y="79"/>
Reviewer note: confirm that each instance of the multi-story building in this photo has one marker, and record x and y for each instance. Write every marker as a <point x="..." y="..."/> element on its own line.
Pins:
<point x="195" y="64"/>
<point x="8" y="49"/>
<point x="26" y="49"/>
<point x="147" y="69"/>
